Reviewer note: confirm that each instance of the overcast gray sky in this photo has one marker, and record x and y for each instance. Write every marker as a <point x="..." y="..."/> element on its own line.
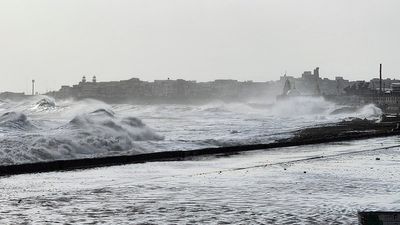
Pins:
<point x="58" y="41"/>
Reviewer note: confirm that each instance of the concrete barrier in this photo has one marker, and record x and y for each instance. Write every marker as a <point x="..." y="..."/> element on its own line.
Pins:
<point x="72" y="164"/>
<point x="379" y="218"/>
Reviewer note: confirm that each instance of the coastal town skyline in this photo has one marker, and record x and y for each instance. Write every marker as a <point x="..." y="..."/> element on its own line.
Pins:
<point x="41" y="86"/>
<point x="309" y="83"/>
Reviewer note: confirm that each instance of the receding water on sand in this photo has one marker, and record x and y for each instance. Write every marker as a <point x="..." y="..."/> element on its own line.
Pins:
<point x="287" y="185"/>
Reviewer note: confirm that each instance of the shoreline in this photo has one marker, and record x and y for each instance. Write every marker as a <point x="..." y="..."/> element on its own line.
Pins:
<point x="343" y="131"/>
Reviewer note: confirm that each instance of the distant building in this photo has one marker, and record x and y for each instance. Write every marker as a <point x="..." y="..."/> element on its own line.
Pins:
<point x="12" y="95"/>
<point x="134" y="89"/>
<point x="162" y="90"/>
<point x="395" y="88"/>
<point x="386" y="84"/>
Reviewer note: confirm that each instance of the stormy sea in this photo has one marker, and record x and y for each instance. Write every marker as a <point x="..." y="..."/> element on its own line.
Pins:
<point x="41" y="129"/>
<point x="281" y="186"/>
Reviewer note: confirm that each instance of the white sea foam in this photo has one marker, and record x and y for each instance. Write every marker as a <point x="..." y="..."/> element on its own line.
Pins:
<point x="41" y="128"/>
<point x="15" y="121"/>
<point x="259" y="187"/>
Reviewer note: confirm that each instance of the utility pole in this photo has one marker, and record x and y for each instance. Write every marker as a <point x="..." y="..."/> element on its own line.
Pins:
<point x="33" y="87"/>
<point x="380" y="79"/>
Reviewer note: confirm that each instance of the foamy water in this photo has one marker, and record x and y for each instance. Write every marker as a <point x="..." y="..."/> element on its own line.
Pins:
<point x="280" y="186"/>
<point x="259" y="187"/>
<point x="42" y="129"/>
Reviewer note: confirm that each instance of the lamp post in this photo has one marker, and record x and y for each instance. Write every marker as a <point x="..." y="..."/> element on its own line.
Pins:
<point x="33" y="87"/>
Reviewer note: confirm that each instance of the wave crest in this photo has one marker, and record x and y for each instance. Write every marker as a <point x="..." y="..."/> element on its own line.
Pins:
<point x="15" y="121"/>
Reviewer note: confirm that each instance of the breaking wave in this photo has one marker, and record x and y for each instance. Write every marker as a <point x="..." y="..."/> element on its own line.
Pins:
<point x="92" y="134"/>
<point x="40" y="129"/>
<point x="369" y="112"/>
<point x="96" y="133"/>
<point x="297" y="107"/>
<point x="46" y="103"/>
<point x="15" y="121"/>
<point x="103" y="123"/>
<point x="302" y="106"/>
